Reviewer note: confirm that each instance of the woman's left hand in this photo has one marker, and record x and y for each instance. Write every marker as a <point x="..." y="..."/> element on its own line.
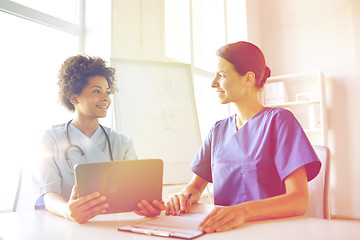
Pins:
<point x="223" y="219"/>
<point x="150" y="210"/>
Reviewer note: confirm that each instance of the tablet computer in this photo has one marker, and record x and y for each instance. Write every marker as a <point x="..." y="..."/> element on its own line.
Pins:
<point x="124" y="183"/>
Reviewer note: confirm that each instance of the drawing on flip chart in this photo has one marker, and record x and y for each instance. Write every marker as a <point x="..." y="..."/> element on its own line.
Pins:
<point x="169" y="121"/>
<point x="169" y="88"/>
<point x="155" y="106"/>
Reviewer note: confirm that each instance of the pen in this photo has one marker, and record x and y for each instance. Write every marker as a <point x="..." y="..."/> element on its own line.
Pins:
<point x="187" y="199"/>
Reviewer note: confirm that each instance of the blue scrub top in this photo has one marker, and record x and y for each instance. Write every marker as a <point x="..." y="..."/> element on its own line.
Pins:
<point x="252" y="162"/>
<point x="52" y="172"/>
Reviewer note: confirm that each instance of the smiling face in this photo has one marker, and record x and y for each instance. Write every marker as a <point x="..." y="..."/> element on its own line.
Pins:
<point x="229" y="85"/>
<point x="94" y="100"/>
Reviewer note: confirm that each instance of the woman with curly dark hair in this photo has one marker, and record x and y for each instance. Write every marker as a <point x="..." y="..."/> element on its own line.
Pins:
<point x="85" y="85"/>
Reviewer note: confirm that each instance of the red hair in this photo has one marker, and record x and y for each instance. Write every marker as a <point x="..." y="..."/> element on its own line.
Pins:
<point x="246" y="57"/>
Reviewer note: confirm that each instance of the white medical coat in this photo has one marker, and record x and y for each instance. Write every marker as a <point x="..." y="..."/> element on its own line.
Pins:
<point x="52" y="172"/>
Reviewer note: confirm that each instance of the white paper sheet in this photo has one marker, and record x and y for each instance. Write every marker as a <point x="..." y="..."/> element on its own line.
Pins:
<point x="183" y="226"/>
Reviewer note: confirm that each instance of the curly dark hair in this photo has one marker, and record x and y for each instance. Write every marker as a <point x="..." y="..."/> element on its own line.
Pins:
<point x="74" y="73"/>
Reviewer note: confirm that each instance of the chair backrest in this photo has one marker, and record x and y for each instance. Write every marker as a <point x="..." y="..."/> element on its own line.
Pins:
<point x="24" y="197"/>
<point x="17" y="193"/>
<point x="319" y="187"/>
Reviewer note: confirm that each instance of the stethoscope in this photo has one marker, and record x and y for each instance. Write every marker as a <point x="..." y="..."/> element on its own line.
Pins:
<point x="79" y="149"/>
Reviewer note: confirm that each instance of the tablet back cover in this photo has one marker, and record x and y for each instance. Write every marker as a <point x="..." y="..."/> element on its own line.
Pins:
<point x="124" y="183"/>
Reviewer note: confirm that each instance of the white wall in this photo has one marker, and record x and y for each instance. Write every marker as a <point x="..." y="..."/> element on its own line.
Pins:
<point x="302" y="36"/>
<point x="137" y="30"/>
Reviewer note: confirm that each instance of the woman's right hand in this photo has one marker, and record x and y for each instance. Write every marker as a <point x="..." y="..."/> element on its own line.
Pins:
<point x="178" y="204"/>
<point x="86" y="207"/>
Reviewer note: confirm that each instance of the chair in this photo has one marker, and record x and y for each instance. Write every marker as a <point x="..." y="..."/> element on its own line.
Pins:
<point x="17" y="194"/>
<point x="24" y="198"/>
<point x="319" y="187"/>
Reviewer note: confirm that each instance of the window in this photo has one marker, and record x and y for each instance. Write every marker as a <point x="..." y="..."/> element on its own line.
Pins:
<point x="65" y="9"/>
<point x="208" y="31"/>
<point x="31" y="55"/>
<point x="177" y="30"/>
<point x="194" y="30"/>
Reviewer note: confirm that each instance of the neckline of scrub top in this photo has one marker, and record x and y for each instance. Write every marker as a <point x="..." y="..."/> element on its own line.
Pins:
<point x="93" y="136"/>
<point x="256" y="115"/>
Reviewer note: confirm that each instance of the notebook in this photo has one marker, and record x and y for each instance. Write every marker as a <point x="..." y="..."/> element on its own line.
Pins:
<point x="124" y="183"/>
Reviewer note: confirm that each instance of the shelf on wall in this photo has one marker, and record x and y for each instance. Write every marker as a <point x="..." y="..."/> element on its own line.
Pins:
<point x="312" y="130"/>
<point x="304" y="95"/>
<point x="294" y="103"/>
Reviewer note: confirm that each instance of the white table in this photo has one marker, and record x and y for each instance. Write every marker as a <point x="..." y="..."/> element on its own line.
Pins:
<point x="43" y="225"/>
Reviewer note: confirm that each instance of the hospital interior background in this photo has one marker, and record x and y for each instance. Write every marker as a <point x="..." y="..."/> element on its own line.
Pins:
<point x="306" y="40"/>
